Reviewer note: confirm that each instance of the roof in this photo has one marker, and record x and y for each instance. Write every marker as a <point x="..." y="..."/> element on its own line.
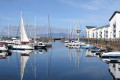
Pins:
<point x="114" y="14"/>
<point x="89" y="27"/>
<point x="105" y="26"/>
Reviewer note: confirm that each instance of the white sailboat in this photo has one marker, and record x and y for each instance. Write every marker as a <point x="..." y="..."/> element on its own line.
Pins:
<point x="24" y="38"/>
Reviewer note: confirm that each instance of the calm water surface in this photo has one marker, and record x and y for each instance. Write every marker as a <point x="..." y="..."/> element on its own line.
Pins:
<point x="56" y="63"/>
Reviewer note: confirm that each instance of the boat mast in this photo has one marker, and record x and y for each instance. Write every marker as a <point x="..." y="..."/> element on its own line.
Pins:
<point x="20" y="27"/>
<point x="27" y="27"/>
<point x="35" y="30"/>
<point x="78" y="32"/>
<point x="48" y="28"/>
<point x="68" y="33"/>
<point x="8" y="31"/>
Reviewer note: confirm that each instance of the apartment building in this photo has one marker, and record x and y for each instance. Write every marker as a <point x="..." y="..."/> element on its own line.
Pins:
<point x="111" y="31"/>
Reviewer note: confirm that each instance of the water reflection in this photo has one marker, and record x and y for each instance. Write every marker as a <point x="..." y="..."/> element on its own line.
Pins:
<point x="114" y="69"/>
<point x="3" y="55"/>
<point x="49" y="61"/>
<point x="56" y="63"/>
<point x="89" y="54"/>
<point x="24" y="57"/>
<point x="74" y="55"/>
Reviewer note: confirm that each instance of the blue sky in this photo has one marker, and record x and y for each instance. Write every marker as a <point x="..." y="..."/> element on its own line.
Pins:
<point x="63" y="13"/>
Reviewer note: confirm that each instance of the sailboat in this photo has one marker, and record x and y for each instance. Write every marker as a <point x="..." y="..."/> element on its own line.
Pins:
<point x="37" y="44"/>
<point x="48" y="44"/>
<point x="76" y="43"/>
<point x="23" y="38"/>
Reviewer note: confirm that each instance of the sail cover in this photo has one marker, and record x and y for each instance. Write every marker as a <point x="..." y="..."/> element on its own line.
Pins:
<point x="23" y="35"/>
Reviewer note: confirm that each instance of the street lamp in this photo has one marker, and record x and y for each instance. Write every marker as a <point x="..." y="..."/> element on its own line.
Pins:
<point x="78" y="32"/>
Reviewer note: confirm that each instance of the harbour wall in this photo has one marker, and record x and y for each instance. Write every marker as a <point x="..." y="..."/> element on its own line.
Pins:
<point x="106" y="43"/>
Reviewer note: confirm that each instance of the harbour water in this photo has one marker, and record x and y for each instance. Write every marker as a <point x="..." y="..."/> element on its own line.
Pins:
<point x="56" y="63"/>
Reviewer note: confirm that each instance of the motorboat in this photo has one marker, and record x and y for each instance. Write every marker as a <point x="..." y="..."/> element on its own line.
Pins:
<point x="48" y="44"/>
<point x="39" y="45"/>
<point x="110" y="55"/>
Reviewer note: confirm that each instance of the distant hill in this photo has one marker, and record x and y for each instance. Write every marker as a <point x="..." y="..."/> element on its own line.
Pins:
<point x="54" y="35"/>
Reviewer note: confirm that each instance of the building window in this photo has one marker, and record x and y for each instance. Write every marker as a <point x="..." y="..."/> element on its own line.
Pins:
<point x="106" y="32"/>
<point x="114" y="36"/>
<point x="106" y="36"/>
<point x="114" y="25"/>
<point x="114" y="31"/>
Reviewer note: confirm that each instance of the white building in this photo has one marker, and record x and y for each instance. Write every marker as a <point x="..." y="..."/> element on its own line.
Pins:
<point x="89" y="31"/>
<point x="99" y="33"/>
<point x="111" y="31"/>
<point x="115" y="25"/>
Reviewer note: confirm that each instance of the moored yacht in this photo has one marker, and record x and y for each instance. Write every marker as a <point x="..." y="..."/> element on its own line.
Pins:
<point x="3" y="47"/>
<point x="39" y="45"/>
<point x="25" y="44"/>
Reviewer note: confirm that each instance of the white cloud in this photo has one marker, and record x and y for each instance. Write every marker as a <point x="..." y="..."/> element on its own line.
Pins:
<point x="93" y="4"/>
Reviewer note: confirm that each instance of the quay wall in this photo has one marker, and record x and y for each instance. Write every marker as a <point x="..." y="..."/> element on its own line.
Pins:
<point x="106" y="43"/>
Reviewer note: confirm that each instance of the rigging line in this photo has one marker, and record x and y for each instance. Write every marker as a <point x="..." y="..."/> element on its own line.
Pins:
<point x="49" y="32"/>
<point x="81" y="30"/>
<point x="18" y="30"/>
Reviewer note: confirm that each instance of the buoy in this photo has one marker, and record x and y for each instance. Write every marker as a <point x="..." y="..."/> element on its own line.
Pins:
<point x="102" y="47"/>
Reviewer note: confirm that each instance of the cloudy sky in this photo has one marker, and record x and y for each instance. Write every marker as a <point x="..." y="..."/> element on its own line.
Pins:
<point x="63" y="13"/>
